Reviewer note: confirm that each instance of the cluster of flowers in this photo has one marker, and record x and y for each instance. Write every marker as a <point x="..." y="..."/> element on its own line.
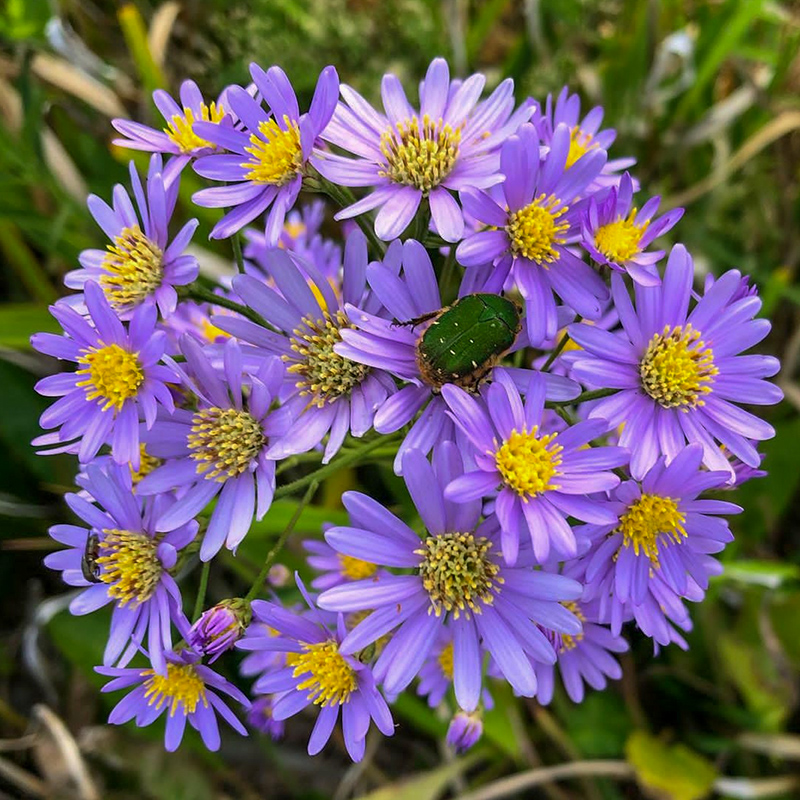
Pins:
<point x="558" y="409"/>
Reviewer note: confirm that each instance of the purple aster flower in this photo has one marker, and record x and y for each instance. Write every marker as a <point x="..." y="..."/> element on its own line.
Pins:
<point x="742" y="473"/>
<point x="266" y="161"/>
<point x="120" y="559"/>
<point x="118" y="377"/>
<point x="219" y="449"/>
<point x="450" y="144"/>
<point x="585" y="658"/>
<point x="531" y="228"/>
<point x="663" y="528"/>
<point x="458" y="579"/>
<point x="140" y="265"/>
<point x="436" y="674"/>
<point x="188" y="691"/>
<point x="465" y="730"/>
<point x="178" y="137"/>
<point x="318" y="673"/>
<point x="219" y="628"/>
<point x="382" y="342"/>
<point x="261" y="718"/>
<point x="617" y="234"/>
<point x="301" y="237"/>
<point x="263" y="660"/>
<point x="680" y="372"/>
<point x="326" y="393"/>
<point x="543" y="478"/>
<point x="335" y="567"/>
<point x="585" y="134"/>
<point x="194" y="319"/>
<point x="278" y="576"/>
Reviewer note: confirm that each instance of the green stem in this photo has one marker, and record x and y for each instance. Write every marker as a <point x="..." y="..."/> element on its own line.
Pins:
<point x="556" y="353"/>
<point x="448" y="271"/>
<point x="202" y="295"/>
<point x="236" y="243"/>
<point x="595" y="394"/>
<point x="343" y="197"/>
<point x="201" y="591"/>
<point x="329" y="469"/>
<point x="565" y="415"/>
<point x="273" y="554"/>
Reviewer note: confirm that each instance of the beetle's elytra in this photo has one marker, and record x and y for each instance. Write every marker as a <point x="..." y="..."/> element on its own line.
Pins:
<point x="466" y="339"/>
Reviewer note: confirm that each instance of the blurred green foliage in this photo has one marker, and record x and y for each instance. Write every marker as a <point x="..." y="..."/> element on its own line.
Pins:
<point x="703" y="94"/>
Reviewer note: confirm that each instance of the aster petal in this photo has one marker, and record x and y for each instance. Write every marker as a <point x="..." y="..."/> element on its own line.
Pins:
<point x="397" y="212"/>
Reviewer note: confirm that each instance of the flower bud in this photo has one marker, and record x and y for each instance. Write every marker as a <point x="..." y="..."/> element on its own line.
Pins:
<point x="260" y="717"/>
<point x="464" y="731"/>
<point x="219" y="627"/>
<point x="279" y="576"/>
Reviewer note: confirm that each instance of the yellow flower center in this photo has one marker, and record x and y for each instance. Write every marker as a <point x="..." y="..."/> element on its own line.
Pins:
<point x="648" y="518"/>
<point x="180" y="130"/>
<point x="276" y="155"/>
<point x="147" y="464"/>
<point x="580" y="143"/>
<point x="134" y="268"/>
<point x="371" y="650"/>
<point x="330" y="679"/>
<point x="113" y="374"/>
<point x="130" y="565"/>
<point x="457" y="573"/>
<point x="677" y="368"/>
<point x="445" y="660"/>
<point x="568" y="641"/>
<point x="323" y="374"/>
<point x="211" y="332"/>
<point x="181" y="686"/>
<point x="294" y="230"/>
<point x="535" y="231"/>
<point x="529" y="462"/>
<point x="619" y="240"/>
<point x="355" y="569"/>
<point x="224" y="442"/>
<point x="420" y="155"/>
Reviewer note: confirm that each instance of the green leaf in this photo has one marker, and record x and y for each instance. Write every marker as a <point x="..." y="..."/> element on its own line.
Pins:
<point x="424" y="786"/>
<point x="501" y="723"/>
<point x="82" y="640"/>
<point x="769" y="574"/>
<point x="784" y="612"/>
<point x="599" y="726"/>
<point x="24" y="19"/>
<point x="418" y="714"/>
<point x="753" y="672"/>
<point x="670" y="771"/>
<point x="19" y="321"/>
<point x="263" y="534"/>
<point x="135" y="32"/>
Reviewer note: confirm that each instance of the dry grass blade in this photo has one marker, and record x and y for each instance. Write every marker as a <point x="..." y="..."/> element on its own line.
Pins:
<point x="62" y="74"/>
<point x="59" y="757"/>
<point x="536" y="777"/>
<point x="22" y="779"/>
<point x="160" y="30"/>
<point x="775" y="745"/>
<point x="784" y="123"/>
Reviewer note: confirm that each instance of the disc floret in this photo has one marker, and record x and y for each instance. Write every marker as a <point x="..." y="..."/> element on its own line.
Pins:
<point x="130" y="565"/>
<point x="528" y="462"/>
<point x="677" y="368"/>
<point x="458" y="573"/>
<point x="224" y="442"/>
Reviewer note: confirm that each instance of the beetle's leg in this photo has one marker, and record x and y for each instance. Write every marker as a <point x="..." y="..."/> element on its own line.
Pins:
<point x="412" y="323"/>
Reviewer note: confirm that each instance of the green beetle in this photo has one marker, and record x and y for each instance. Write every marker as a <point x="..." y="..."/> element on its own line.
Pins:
<point x="466" y="339"/>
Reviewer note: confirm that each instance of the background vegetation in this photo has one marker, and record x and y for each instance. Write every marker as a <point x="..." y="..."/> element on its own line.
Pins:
<point x="706" y="95"/>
